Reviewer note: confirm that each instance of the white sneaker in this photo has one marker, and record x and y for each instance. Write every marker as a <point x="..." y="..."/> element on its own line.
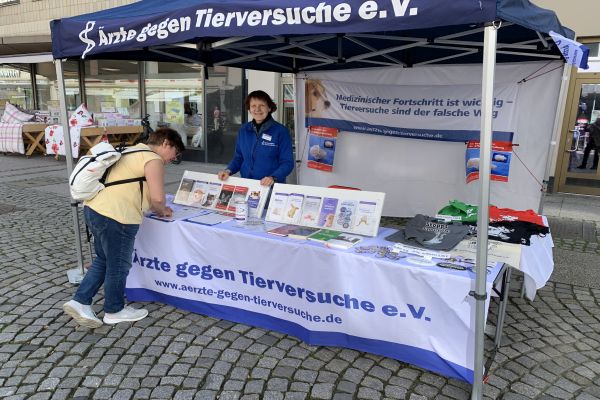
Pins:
<point x="82" y="314"/>
<point x="127" y="314"/>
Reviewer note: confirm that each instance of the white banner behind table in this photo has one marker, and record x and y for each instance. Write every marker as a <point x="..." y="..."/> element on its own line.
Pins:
<point x="420" y="176"/>
<point x="325" y="297"/>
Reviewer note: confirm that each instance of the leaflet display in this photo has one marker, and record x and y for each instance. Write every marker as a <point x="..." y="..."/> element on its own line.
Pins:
<point x="199" y="189"/>
<point x="352" y="211"/>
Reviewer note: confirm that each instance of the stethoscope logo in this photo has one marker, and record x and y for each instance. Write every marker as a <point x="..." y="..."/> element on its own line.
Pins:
<point x="90" y="44"/>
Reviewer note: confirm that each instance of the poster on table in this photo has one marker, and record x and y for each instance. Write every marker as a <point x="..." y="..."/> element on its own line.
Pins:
<point x="200" y="189"/>
<point x="443" y="112"/>
<point x="321" y="147"/>
<point x="420" y="315"/>
<point x="499" y="164"/>
<point x="351" y="211"/>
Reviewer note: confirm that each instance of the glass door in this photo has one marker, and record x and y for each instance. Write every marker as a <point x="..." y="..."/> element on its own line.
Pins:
<point x="578" y="171"/>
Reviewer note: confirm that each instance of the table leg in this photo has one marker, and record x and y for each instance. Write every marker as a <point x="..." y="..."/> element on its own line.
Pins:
<point x="133" y="137"/>
<point x="40" y="142"/>
<point x="502" y="308"/>
<point x="87" y="142"/>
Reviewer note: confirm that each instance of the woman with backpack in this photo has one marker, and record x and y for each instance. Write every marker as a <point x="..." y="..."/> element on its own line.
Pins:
<point x="114" y="216"/>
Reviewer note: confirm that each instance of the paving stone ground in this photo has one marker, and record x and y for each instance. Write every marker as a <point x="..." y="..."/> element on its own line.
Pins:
<point x="551" y="346"/>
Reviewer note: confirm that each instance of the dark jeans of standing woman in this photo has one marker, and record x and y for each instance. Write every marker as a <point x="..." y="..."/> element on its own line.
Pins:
<point x="591" y="145"/>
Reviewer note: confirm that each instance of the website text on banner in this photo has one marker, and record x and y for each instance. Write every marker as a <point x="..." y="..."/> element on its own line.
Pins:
<point x="448" y="113"/>
<point x="324" y="297"/>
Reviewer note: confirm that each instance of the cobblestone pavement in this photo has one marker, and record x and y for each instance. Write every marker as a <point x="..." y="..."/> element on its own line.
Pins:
<point x="551" y="347"/>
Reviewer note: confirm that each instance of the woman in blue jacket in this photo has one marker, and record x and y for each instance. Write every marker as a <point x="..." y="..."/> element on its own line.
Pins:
<point x="264" y="148"/>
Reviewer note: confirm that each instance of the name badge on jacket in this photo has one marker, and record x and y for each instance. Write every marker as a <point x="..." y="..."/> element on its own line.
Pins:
<point x="266" y="137"/>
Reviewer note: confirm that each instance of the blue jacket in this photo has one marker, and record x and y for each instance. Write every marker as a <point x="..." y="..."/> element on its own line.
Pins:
<point x="264" y="153"/>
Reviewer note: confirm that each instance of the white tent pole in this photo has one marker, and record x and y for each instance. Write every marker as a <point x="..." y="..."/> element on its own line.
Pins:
<point x="74" y="275"/>
<point x="557" y="128"/>
<point x="485" y="143"/>
<point x="297" y="130"/>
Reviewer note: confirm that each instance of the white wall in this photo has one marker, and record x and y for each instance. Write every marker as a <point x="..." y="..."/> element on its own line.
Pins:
<point x="421" y="176"/>
<point x="266" y="81"/>
<point x="32" y="18"/>
<point x="578" y="15"/>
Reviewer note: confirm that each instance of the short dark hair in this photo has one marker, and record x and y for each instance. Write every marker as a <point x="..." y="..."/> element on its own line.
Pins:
<point x="263" y="96"/>
<point x="157" y="137"/>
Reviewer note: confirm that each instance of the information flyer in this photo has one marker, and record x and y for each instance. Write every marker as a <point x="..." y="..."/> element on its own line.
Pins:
<point x="500" y="161"/>
<point x="321" y="147"/>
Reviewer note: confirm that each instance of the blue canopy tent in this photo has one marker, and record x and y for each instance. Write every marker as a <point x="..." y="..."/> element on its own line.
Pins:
<point x="307" y="36"/>
<point x="303" y="35"/>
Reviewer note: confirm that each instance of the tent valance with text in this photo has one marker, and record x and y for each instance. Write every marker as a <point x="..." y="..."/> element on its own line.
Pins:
<point x="149" y="24"/>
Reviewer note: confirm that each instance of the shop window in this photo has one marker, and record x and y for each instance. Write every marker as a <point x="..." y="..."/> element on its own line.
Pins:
<point x="174" y="99"/>
<point x="15" y="85"/>
<point x="48" y="90"/>
<point x="112" y="87"/>
<point x="226" y="112"/>
<point x="594" y="50"/>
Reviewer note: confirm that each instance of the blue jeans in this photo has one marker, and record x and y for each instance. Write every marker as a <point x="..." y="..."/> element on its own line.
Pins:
<point x="113" y="244"/>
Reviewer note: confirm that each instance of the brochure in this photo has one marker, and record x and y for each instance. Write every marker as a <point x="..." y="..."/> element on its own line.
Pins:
<point x="343" y="241"/>
<point x="210" y="218"/>
<point x="180" y="213"/>
<point x="224" y="197"/>
<point x="198" y="195"/>
<point x="253" y="202"/>
<point x="282" y="230"/>
<point x="293" y="208"/>
<point x="277" y="206"/>
<point x="302" y="232"/>
<point x="239" y="194"/>
<point x="183" y="193"/>
<point x="365" y="218"/>
<point x="310" y="211"/>
<point x="345" y="215"/>
<point x="327" y="214"/>
<point x="214" y="188"/>
<point x="324" y="235"/>
<point x="293" y="231"/>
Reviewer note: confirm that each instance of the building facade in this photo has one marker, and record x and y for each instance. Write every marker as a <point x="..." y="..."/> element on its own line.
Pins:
<point x="208" y="110"/>
<point x="575" y="156"/>
<point x="206" y="106"/>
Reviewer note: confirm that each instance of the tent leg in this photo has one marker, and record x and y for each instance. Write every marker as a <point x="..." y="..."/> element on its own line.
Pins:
<point x="297" y="129"/>
<point x="487" y="98"/>
<point x="74" y="275"/>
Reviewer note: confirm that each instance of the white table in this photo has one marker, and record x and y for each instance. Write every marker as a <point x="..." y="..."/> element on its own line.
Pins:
<point x="422" y="315"/>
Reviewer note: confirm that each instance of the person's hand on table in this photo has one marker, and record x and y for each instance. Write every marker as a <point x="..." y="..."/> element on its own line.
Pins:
<point x="166" y="213"/>
<point x="224" y="174"/>
<point x="267" y="181"/>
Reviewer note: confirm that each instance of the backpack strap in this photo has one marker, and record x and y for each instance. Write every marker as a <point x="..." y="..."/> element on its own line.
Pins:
<point x="140" y="179"/>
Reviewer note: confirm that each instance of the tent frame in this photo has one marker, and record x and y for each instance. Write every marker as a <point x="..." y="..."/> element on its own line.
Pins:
<point x="480" y="295"/>
<point x="296" y="50"/>
<point x="242" y="50"/>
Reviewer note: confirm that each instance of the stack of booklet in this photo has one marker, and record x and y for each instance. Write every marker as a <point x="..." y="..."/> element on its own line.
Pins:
<point x="335" y="239"/>
<point x="329" y="238"/>
<point x="293" y="231"/>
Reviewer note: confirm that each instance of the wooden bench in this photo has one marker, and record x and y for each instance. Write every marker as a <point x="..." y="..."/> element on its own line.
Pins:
<point x="34" y="138"/>
<point x="116" y="135"/>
